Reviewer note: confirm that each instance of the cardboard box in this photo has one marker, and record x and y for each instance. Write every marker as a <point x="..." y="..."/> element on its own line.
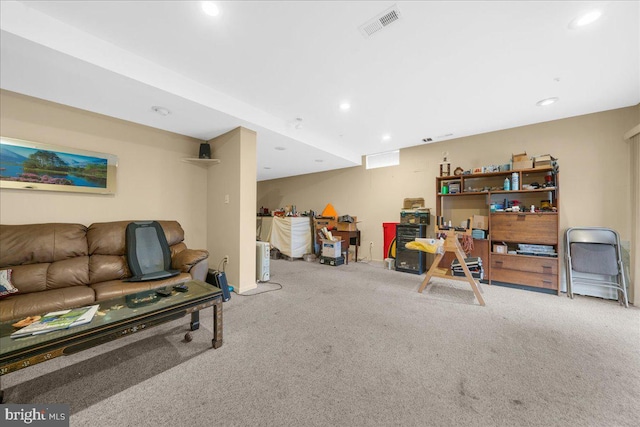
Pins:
<point x="519" y="157"/>
<point x="480" y="222"/>
<point x="543" y="161"/>
<point x="413" y="203"/>
<point x="523" y="164"/>
<point x="331" y="248"/>
<point x="348" y="226"/>
<point x="521" y="161"/>
<point x="499" y="249"/>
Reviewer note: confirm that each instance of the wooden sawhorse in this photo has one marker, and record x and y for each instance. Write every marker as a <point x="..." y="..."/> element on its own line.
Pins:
<point x="451" y="244"/>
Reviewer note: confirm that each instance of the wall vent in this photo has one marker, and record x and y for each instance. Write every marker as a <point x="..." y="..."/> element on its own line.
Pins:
<point x="377" y="23"/>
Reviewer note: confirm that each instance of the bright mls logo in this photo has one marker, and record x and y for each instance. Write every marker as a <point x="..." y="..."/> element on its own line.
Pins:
<point x="35" y="415"/>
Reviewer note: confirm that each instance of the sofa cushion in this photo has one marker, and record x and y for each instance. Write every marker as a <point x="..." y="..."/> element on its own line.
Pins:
<point x="30" y="277"/>
<point x="109" y="238"/>
<point x="36" y="243"/>
<point x="107" y="247"/>
<point x="20" y="305"/>
<point x="173" y="231"/>
<point x="116" y="288"/>
<point x="108" y="267"/>
<point x="68" y="272"/>
<point x="44" y="276"/>
<point x="6" y="286"/>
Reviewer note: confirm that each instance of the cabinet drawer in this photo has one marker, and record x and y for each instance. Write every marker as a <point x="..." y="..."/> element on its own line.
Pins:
<point x="538" y="280"/>
<point x="525" y="227"/>
<point x="542" y="265"/>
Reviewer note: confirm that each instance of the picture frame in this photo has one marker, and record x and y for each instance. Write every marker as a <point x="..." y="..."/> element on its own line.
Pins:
<point x="29" y="165"/>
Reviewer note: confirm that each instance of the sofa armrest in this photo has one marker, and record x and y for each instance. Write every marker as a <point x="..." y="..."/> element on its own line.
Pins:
<point x="200" y="270"/>
<point x="186" y="259"/>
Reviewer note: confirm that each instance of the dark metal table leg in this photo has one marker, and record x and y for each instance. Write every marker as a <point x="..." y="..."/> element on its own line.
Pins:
<point x="217" y="323"/>
<point x="195" y="320"/>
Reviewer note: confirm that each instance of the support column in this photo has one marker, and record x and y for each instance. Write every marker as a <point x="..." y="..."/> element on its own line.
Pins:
<point x="231" y="207"/>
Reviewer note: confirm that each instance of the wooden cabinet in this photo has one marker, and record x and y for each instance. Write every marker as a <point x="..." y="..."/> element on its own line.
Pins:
<point x="531" y="238"/>
<point x="526" y="227"/>
<point x="539" y="272"/>
<point x="532" y="242"/>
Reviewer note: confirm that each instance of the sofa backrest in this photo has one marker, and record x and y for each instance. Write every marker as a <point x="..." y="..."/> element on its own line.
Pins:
<point x="107" y="248"/>
<point x="56" y="255"/>
<point x="45" y="256"/>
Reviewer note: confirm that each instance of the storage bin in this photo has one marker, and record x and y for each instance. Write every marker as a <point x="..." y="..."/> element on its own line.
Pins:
<point x="331" y="248"/>
<point x="415" y="217"/>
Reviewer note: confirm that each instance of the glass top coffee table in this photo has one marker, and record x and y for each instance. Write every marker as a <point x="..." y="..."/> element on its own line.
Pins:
<point x="116" y="318"/>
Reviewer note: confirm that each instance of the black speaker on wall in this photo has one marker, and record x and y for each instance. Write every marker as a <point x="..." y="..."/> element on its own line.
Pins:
<point x="205" y="151"/>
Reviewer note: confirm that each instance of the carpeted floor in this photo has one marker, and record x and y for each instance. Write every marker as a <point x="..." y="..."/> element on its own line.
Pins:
<point x="357" y="345"/>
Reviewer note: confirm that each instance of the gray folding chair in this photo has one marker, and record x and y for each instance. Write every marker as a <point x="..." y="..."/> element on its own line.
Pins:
<point x="593" y="258"/>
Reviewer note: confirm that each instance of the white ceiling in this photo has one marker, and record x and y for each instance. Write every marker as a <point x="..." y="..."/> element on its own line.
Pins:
<point x="459" y="68"/>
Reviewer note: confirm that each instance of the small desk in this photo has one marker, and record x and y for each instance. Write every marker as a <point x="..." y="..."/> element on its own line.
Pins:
<point x="349" y="238"/>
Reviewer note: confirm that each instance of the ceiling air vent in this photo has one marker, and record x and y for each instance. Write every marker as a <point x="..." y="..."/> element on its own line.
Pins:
<point x="379" y="22"/>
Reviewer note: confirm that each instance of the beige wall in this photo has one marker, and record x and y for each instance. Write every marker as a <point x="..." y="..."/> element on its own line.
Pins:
<point x="231" y="207"/>
<point x="592" y="154"/>
<point x="152" y="181"/>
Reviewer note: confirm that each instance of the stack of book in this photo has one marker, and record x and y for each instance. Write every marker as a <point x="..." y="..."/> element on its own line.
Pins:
<point x="58" y="320"/>
<point x="474" y="265"/>
<point x="537" y="250"/>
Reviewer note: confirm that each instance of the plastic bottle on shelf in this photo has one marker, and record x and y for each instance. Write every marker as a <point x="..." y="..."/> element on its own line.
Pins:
<point x="515" y="181"/>
<point x="507" y="184"/>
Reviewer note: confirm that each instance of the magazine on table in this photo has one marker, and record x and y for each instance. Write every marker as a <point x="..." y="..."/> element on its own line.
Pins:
<point x="57" y="320"/>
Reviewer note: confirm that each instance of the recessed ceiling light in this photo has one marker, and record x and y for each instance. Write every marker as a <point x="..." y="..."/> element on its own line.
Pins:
<point x="386" y="137"/>
<point x="266" y="167"/>
<point x="210" y="8"/>
<point x="160" y="110"/>
<point x="345" y="106"/>
<point x="280" y="148"/>
<point x="319" y="160"/>
<point x="545" y="102"/>
<point x="585" y="19"/>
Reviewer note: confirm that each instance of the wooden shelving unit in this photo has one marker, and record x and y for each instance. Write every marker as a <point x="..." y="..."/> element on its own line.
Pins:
<point x="478" y="192"/>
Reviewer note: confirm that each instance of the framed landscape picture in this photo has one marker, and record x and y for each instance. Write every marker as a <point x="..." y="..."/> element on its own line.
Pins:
<point x="36" y="166"/>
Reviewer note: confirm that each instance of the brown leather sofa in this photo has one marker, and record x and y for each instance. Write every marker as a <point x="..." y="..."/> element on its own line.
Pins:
<point x="59" y="266"/>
